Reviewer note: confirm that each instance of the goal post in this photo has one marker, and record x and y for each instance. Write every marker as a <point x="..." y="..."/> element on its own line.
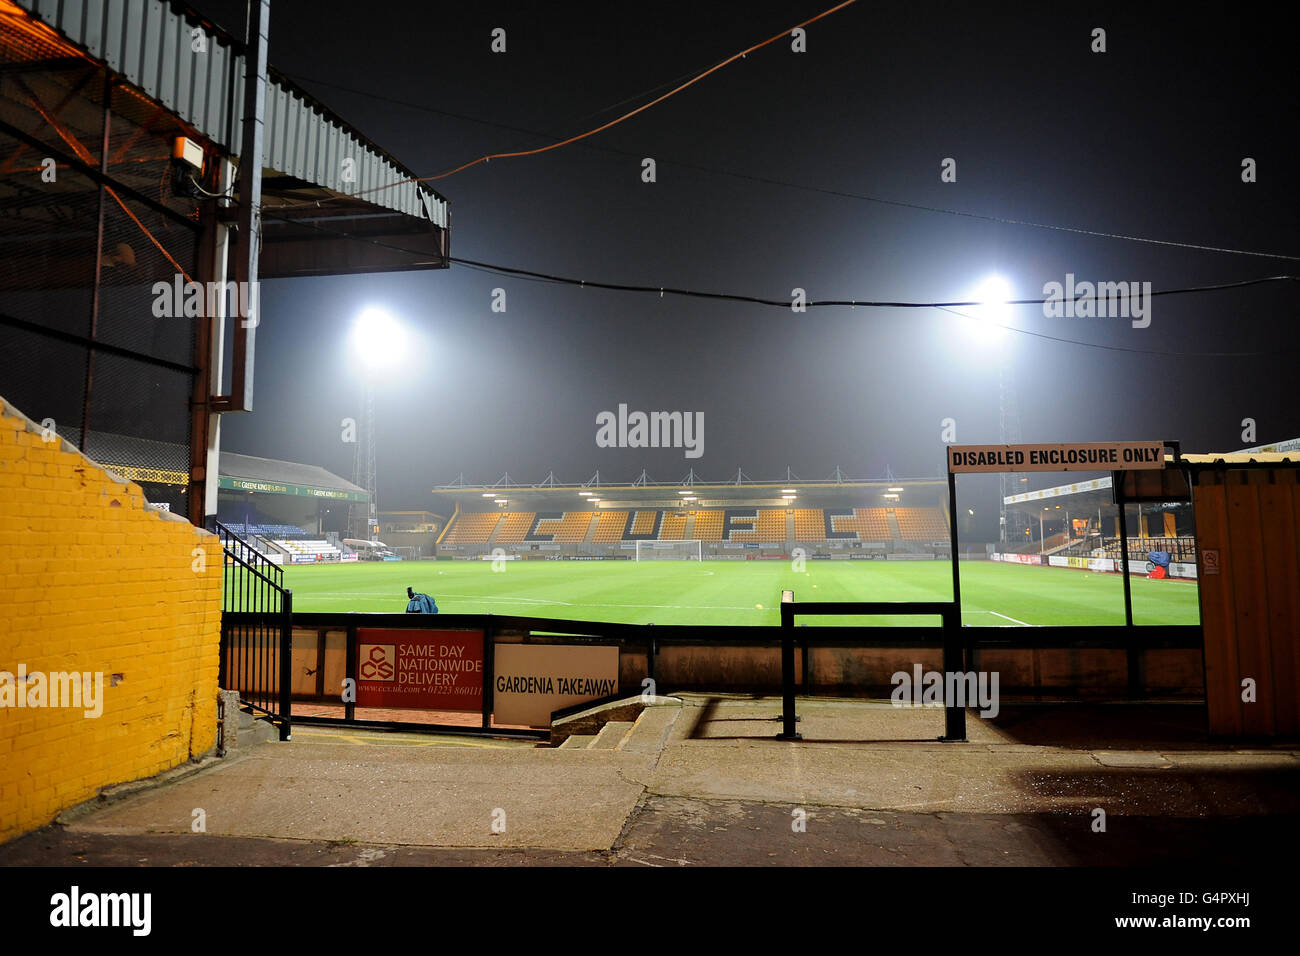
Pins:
<point x="669" y="550"/>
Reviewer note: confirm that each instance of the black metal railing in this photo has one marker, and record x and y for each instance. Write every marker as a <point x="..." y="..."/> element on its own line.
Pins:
<point x="256" y="630"/>
<point x="954" y="653"/>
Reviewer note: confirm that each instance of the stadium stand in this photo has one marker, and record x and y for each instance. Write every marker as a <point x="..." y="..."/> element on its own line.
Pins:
<point x="267" y="530"/>
<point x="569" y="528"/>
<point x="718" y="527"/>
<point x="921" y="524"/>
<point x="644" y="524"/>
<point x="611" y="525"/>
<point x="515" y="527"/>
<point x="473" y="528"/>
<point x="809" y="524"/>
<point x="869" y="524"/>
<point x="674" y="526"/>
<point x="307" y="550"/>
<point x="708" y="525"/>
<point x="769" y="525"/>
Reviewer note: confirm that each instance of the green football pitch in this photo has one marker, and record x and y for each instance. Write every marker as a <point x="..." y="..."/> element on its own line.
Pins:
<point x="739" y="592"/>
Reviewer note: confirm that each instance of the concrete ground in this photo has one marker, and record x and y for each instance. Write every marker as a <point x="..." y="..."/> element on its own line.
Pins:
<point x="708" y="783"/>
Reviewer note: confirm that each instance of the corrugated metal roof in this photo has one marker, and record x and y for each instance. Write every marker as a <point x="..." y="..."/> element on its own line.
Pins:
<point x="151" y="43"/>
<point x="283" y="472"/>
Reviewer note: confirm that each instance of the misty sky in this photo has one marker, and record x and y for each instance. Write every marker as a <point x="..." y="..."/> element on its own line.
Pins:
<point x="1146" y="139"/>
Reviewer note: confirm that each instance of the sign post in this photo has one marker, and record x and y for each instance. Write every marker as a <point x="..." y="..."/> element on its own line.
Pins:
<point x="1115" y="457"/>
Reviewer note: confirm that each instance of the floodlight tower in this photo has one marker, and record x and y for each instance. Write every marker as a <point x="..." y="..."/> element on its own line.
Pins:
<point x="363" y="463"/>
<point x="1011" y="523"/>
<point x="379" y="344"/>
<point x="994" y="292"/>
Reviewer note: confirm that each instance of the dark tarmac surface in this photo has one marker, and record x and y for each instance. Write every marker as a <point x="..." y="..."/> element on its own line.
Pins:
<point x="708" y="785"/>
<point x="676" y="832"/>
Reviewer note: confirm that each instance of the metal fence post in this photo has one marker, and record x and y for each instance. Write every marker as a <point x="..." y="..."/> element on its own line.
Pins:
<point x="286" y="665"/>
<point x="788" y="716"/>
<point x="489" y="671"/>
<point x="954" y="713"/>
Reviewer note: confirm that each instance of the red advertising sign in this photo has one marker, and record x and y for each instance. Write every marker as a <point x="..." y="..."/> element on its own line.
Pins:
<point x="428" y="670"/>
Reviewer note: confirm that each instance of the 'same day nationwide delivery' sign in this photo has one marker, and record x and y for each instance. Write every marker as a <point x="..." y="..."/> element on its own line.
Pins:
<point x="1102" y="456"/>
<point x="534" y="680"/>
<point x="422" y="669"/>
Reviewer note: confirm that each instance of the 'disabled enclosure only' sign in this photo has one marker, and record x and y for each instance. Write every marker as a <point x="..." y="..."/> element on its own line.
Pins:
<point x="1080" y="456"/>
<point x="422" y="669"/>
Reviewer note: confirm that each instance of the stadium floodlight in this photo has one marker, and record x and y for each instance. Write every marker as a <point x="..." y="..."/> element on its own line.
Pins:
<point x="993" y="314"/>
<point x="895" y="489"/>
<point x="890" y="497"/>
<point x="489" y="494"/>
<point x="585" y="494"/>
<point x="789" y="491"/>
<point x="378" y="339"/>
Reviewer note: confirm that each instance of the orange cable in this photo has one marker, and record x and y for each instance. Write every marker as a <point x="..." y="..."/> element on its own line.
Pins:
<point x="84" y="155"/>
<point x="598" y="129"/>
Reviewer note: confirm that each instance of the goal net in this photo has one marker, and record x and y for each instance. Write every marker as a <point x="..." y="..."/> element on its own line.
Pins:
<point x="669" y="551"/>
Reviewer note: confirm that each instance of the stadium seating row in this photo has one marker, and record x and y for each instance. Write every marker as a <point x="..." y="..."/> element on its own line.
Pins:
<point x="753" y="525"/>
<point x="308" y="549"/>
<point x="266" y="530"/>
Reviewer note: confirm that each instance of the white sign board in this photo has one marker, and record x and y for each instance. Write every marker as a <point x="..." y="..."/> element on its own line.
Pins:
<point x="1097" y="456"/>
<point x="534" y="680"/>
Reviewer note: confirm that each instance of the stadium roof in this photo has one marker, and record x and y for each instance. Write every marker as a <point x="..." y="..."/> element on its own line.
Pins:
<point x="272" y="476"/>
<point x="706" y="494"/>
<point x="1098" y="491"/>
<point x="237" y="472"/>
<point x="309" y="153"/>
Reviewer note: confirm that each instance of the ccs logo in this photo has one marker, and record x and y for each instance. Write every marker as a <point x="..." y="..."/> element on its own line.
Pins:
<point x="377" y="662"/>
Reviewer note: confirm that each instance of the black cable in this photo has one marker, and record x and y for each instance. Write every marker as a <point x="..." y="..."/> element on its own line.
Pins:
<point x="821" y="303"/>
<point x="536" y="276"/>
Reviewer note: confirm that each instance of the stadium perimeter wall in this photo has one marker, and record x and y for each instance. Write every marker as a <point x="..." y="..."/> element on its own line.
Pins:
<point x="97" y="585"/>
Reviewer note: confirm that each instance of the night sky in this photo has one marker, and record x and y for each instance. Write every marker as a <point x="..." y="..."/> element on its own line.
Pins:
<point x="753" y="163"/>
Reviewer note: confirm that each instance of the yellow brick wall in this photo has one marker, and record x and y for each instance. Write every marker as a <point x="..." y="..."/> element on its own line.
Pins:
<point x="91" y="581"/>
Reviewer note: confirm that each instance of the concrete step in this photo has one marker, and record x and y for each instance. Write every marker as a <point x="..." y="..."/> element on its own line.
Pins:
<point x="577" y="742"/>
<point x="611" y="735"/>
<point x="650" y="732"/>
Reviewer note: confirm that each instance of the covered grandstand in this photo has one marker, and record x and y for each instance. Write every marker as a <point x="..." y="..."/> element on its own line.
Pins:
<point x="291" y="512"/>
<point x="839" y="519"/>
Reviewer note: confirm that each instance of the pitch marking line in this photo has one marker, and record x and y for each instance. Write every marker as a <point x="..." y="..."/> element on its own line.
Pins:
<point x="1011" y="619"/>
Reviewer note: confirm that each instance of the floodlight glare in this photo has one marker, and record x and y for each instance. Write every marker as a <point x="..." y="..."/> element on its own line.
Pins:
<point x="992" y="314"/>
<point x="489" y="494"/>
<point x="378" y="339"/>
<point x="895" y="489"/>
